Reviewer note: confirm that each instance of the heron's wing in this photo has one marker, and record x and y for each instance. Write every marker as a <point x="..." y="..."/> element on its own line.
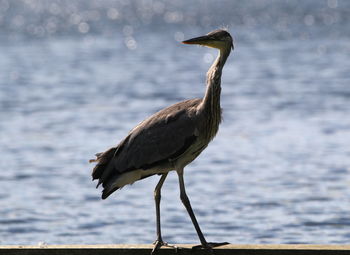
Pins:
<point x="162" y="137"/>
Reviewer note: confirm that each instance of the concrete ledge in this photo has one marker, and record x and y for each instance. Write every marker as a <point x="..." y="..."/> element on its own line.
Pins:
<point x="145" y="249"/>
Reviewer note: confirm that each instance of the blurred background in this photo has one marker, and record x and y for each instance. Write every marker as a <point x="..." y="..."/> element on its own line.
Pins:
<point x="76" y="76"/>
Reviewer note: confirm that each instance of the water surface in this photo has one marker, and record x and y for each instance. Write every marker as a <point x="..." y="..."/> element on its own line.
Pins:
<point x="277" y="172"/>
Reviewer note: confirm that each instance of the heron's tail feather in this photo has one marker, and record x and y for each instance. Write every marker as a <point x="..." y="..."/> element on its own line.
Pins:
<point x="97" y="157"/>
<point x="119" y="180"/>
<point x="103" y="160"/>
<point x="107" y="192"/>
<point x="107" y="174"/>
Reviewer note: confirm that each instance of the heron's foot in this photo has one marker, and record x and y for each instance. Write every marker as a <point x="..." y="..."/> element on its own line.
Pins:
<point x="209" y="246"/>
<point x="159" y="243"/>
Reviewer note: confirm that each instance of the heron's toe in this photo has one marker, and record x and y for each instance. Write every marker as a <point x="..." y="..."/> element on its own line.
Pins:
<point x="157" y="244"/>
<point x="160" y="243"/>
<point x="209" y="246"/>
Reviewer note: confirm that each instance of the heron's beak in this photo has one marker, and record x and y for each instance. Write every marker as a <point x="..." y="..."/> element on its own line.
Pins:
<point x="202" y="40"/>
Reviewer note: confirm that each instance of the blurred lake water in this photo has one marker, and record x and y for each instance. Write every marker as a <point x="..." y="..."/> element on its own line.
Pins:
<point x="76" y="76"/>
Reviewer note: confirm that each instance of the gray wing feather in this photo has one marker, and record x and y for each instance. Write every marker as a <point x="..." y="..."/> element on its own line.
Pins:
<point x="158" y="137"/>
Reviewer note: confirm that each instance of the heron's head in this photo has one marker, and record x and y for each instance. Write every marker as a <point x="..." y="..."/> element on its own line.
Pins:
<point x="219" y="39"/>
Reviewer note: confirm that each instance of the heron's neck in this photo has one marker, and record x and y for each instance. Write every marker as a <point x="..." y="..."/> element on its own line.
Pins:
<point x="211" y="100"/>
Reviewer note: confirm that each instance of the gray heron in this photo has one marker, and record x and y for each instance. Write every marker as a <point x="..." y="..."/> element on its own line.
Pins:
<point x="169" y="139"/>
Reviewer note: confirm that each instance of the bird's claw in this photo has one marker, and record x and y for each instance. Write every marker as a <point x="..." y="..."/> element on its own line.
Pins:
<point x="160" y="243"/>
<point x="157" y="245"/>
<point x="208" y="246"/>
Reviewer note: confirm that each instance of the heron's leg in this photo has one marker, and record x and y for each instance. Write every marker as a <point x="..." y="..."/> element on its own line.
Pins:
<point x="187" y="204"/>
<point x="157" y="195"/>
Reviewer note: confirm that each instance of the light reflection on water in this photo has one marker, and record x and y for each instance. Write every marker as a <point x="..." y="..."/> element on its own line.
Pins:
<point x="278" y="171"/>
